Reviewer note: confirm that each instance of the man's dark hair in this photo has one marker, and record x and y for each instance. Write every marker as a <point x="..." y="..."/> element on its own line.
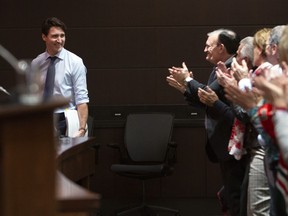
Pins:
<point x="52" y="22"/>
<point x="230" y="40"/>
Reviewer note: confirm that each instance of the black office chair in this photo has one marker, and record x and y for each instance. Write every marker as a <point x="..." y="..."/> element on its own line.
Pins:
<point x="147" y="153"/>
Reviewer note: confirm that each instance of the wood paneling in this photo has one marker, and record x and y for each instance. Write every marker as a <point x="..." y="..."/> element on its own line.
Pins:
<point x="115" y="13"/>
<point x="127" y="46"/>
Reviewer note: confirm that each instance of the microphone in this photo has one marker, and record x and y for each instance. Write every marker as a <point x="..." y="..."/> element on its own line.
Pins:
<point x="11" y="59"/>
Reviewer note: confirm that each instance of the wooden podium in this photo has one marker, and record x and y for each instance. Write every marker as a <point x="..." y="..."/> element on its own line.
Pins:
<point x="27" y="160"/>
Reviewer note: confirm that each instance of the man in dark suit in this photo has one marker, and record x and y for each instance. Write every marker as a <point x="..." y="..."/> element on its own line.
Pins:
<point x="221" y="46"/>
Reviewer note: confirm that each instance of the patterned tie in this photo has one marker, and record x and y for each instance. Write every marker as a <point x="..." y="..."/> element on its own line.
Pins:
<point x="50" y="78"/>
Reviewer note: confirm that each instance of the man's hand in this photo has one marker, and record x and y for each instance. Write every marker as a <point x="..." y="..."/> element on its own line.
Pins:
<point x="79" y="133"/>
<point x="275" y="90"/>
<point x="208" y="97"/>
<point x="172" y="82"/>
<point x="225" y="78"/>
<point x="180" y="73"/>
<point x="222" y="67"/>
<point x="247" y="99"/>
<point x="240" y="71"/>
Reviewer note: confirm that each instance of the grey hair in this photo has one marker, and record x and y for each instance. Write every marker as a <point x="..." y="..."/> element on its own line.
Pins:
<point x="228" y="38"/>
<point x="219" y="31"/>
<point x="275" y="34"/>
<point x="215" y="32"/>
<point x="247" y="49"/>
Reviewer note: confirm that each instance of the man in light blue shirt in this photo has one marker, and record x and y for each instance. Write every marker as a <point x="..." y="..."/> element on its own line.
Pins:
<point x="70" y="74"/>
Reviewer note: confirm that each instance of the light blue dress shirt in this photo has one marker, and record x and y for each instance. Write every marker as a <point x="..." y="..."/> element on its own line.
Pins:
<point x="70" y="77"/>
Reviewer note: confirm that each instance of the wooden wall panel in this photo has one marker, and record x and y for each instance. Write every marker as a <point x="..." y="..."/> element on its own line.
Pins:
<point x="135" y="86"/>
<point x="125" y="65"/>
<point x="144" y="47"/>
<point x="127" y="46"/>
<point x="119" y="13"/>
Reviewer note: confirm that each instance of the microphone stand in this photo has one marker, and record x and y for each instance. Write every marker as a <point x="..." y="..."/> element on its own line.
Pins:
<point x="19" y="66"/>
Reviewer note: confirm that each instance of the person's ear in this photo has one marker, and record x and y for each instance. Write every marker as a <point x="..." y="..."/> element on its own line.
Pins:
<point x="221" y="48"/>
<point x="274" y="48"/>
<point x="44" y="37"/>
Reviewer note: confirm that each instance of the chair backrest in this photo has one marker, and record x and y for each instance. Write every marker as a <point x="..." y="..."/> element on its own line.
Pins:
<point x="147" y="136"/>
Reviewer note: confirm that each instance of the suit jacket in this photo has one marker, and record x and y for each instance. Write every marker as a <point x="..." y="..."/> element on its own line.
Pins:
<point x="219" y="118"/>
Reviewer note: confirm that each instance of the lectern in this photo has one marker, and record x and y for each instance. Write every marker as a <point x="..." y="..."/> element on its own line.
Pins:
<point x="27" y="159"/>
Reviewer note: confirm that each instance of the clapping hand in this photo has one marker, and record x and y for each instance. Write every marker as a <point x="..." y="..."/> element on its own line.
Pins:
<point x="224" y="75"/>
<point x="247" y="99"/>
<point x="240" y="71"/>
<point x="180" y="73"/>
<point x="207" y="96"/>
<point x="174" y="83"/>
<point x="275" y="90"/>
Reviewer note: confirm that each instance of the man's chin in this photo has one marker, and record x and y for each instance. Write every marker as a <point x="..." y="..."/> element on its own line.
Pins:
<point x="209" y="59"/>
<point x="59" y="49"/>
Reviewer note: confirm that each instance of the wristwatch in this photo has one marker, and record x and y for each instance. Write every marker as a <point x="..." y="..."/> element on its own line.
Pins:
<point x="187" y="79"/>
<point x="84" y="129"/>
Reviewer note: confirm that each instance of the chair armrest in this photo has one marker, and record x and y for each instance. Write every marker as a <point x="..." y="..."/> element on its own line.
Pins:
<point x="95" y="145"/>
<point x="123" y="155"/>
<point x="114" y="145"/>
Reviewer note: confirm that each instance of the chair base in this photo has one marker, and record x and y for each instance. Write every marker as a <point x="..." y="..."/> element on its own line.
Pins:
<point x="148" y="210"/>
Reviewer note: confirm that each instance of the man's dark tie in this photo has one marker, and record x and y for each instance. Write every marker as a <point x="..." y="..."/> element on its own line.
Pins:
<point x="212" y="76"/>
<point x="50" y="78"/>
<point x="211" y="79"/>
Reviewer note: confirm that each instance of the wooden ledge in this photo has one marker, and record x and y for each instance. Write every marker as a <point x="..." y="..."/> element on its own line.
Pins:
<point x="74" y="198"/>
<point x="70" y="196"/>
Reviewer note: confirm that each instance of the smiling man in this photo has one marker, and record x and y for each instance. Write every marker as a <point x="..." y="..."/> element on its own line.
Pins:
<point x="67" y="74"/>
<point x="221" y="46"/>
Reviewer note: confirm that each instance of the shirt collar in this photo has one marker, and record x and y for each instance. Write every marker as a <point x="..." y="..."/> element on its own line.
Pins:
<point x="60" y="54"/>
<point x="229" y="60"/>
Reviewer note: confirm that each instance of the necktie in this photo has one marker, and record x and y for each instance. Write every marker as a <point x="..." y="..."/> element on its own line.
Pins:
<point x="212" y="76"/>
<point x="50" y="78"/>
